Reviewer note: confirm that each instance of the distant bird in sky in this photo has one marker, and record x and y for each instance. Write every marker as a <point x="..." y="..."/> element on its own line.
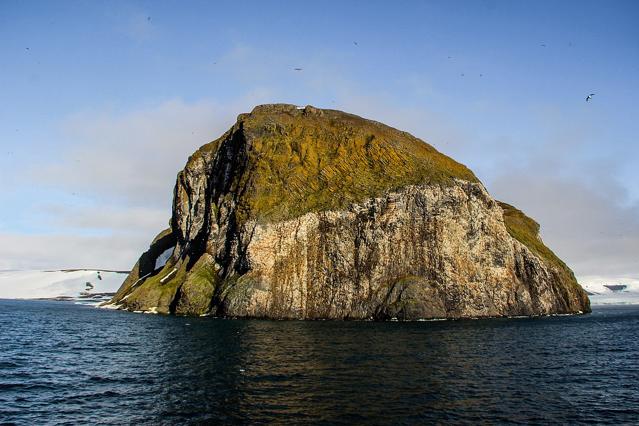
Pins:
<point x="543" y="45"/>
<point x="589" y="97"/>
<point x="27" y="48"/>
<point x="462" y="74"/>
<point x="355" y="43"/>
<point x="297" y="69"/>
<point x="148" y="18"/>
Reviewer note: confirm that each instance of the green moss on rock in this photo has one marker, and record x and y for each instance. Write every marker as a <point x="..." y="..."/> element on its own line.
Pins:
<point x="526" y="231"/>
<point x="312" y="160"/>
<point x="159" y="290"/>
<point x="196" y="293"/>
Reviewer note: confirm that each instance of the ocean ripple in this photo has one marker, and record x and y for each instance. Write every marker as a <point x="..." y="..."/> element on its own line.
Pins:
<point x="62" y="363"/>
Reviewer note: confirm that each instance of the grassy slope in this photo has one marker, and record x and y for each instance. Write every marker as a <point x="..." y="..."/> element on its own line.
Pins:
<point x="526" y="231"/>
<point x="312" y="160"/>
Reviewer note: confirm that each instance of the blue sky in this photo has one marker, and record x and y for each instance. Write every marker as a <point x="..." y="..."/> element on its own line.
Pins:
<point x="104" y="101"/>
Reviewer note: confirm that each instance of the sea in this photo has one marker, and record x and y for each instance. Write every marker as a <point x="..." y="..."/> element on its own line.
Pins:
<point x="65" y="363"/>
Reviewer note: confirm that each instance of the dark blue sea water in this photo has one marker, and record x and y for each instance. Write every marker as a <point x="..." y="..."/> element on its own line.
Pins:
<point x="69" y="364"/>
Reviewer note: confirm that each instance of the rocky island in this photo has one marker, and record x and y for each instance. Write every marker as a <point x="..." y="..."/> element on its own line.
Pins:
<point x="307" y="213"/>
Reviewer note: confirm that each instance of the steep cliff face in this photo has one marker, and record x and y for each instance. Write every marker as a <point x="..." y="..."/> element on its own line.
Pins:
<point x="308" y="213"/>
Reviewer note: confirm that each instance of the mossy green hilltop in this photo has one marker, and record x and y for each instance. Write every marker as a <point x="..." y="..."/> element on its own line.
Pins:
<point x="313" y="213"/>
<point x="303" y="160"/>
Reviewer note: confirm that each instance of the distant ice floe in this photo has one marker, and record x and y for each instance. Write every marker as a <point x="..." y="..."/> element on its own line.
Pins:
<point x="84" y="286"/>
<point x="606" y="291"/>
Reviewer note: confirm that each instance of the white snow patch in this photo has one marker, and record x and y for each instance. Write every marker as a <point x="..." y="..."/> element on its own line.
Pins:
<point x="109" y="306"/>
<point x="605" y="296"/>
<point x="51" y="284"/>
<point x="168" y="276"/>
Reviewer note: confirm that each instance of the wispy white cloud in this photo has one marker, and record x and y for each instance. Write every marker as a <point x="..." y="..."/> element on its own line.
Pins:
<point x="66" y="250"/>
<point x="121" y="168"/>
<point x="132" y="156"/>
<point x="107" y="219"/>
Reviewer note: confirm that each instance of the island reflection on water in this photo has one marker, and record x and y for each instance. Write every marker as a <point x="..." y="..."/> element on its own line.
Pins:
<point x="61" y="362"/>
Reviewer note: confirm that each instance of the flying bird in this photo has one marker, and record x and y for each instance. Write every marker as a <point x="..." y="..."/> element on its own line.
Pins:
<point x="355" y="43"/>
<point x="589" y="97"/>
<point x="297" y="69"/>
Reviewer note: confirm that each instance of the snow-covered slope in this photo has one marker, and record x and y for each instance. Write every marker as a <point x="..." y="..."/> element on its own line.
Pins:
<point x="89" y="285"/>
<point x="602" y="295"/>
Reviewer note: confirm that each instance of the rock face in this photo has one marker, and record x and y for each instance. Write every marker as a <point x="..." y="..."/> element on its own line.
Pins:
<point x="309" y="213"/>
